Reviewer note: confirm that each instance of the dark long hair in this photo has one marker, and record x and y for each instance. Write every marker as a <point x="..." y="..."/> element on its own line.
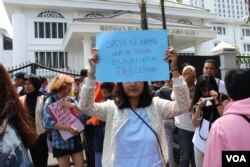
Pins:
<point x="12" y="110"/>
<point x="203" y="80"/>
<point x="122" y="100"/>
<point x="237" y="83"/>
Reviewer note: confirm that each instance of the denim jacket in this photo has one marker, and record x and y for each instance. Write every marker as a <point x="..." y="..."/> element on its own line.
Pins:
<point x="12" y="151"/>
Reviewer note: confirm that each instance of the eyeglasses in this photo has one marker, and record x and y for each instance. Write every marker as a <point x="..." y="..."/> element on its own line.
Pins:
<point x="206" y="88"/>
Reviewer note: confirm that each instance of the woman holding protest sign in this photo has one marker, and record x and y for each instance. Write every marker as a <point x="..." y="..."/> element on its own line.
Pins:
<point x="134" y="132"/>
<point x="59" y="87"/>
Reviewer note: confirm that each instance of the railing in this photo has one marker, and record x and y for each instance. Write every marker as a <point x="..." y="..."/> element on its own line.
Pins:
<point x="243" y="61"/>
<point x="40" y="70"/>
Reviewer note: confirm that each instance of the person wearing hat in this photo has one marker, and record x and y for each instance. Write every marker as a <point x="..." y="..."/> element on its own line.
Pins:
<point x="19" y="82"/>
<point x="33" y="103"/>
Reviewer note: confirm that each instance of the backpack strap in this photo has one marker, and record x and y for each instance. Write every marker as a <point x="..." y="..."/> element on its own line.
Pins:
<point x="246" y="118"/>
<point x="53" y="99"/>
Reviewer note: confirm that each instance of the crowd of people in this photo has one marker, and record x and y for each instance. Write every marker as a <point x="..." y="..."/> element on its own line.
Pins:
<point x="127" y="123"/>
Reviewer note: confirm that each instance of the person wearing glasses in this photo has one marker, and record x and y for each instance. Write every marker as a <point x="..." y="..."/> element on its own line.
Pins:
<point x="207" y="106"/>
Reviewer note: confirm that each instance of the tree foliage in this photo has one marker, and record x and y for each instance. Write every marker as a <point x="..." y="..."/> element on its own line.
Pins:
<point x="247" y="19"/>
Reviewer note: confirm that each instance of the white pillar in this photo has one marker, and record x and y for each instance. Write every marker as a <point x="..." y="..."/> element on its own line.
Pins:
<point x="227" y="55"/>
<point x="171" y="41"/>
<point x="87" y="41"/>
<point x="197" y="48"/>
<point x="19" y="38"/>
<point x="1" y="49"/>
<point x="227" y="62"/>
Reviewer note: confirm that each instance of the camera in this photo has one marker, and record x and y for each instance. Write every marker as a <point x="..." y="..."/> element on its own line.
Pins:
<point x="208" y="101"/>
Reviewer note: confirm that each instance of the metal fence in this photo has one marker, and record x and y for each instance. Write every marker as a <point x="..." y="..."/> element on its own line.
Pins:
<point x="42" y="71"/>
<point x="243" y="61"/>
<point x="197" y="61"/>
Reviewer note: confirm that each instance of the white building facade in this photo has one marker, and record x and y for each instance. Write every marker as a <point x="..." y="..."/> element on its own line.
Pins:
<point x="229" y="24"/>
<point x="61" y="33"/>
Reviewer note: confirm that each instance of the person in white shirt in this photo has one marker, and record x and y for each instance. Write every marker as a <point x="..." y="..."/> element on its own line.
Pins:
<point x="183" y="123"/>
<point x="210" y="68"/>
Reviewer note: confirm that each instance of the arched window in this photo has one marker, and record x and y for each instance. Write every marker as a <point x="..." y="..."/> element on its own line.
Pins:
<point x="50" y="14"/>
<point x="48" y="29"/>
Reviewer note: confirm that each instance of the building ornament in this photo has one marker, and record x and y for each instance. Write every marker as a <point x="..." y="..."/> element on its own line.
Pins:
<point x="185" y="21"/>
<point x="94" y="15"/>
<point x="50" y="14"/>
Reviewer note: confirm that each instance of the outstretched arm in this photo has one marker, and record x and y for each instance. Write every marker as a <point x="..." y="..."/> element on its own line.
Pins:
<point x="87" y="104"/>
<point x="180" y="90"/>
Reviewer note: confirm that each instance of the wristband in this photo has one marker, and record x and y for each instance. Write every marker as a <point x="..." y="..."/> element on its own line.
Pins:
<point x="91" y="74"/>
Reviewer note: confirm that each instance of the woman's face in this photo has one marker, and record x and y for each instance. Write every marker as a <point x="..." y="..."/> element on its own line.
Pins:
<point x="133" y="89"/>
<point x="205" y="90"/>
<point x="189" y="76"/>
<point x="67" y="89"/>
<point x="29" y="87"/>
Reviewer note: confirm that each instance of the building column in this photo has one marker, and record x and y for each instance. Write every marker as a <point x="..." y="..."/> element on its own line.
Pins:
<point x="19" y="38"/>
<point x="171" y="41"/>
<point x="197" y="48"/>
<point x="1" y="48"/>
<point x="87" y="41"/>
<point x="227" y="55"/>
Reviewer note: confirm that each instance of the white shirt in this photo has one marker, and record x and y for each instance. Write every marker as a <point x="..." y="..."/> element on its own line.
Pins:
<point x="221" y="86"/>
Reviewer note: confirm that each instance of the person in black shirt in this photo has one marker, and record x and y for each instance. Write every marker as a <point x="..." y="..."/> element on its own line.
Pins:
<point x="207" y="106"/>
<point x="19" y="82"/>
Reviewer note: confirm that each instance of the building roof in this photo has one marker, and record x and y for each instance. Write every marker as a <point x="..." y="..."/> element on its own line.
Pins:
<point x="171" y="9"/>
<point x="185" y="34"/>
<point x="131" y="17"/>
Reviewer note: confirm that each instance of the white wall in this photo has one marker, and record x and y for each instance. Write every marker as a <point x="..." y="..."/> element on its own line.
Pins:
<point x="75" y="58"/>
<point x="8" y="58"/>
<point x="1" y="49"/>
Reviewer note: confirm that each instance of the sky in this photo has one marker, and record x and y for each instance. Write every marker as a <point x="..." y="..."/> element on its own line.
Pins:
<point x="4" y="20"/>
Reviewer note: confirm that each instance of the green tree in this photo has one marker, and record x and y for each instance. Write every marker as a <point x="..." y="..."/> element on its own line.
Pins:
<point x="247" y="19"/>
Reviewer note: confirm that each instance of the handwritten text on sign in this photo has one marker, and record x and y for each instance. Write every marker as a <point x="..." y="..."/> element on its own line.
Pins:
<point x="65" y="116"/>
<point x="132" y="56"/>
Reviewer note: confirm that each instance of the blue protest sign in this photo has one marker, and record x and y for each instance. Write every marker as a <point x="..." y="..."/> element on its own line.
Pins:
<point x="127" y="56"/>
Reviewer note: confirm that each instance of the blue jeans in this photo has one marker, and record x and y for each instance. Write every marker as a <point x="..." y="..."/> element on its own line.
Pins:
<point x="186" y="147"/>
<point x="98" y="159"/>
